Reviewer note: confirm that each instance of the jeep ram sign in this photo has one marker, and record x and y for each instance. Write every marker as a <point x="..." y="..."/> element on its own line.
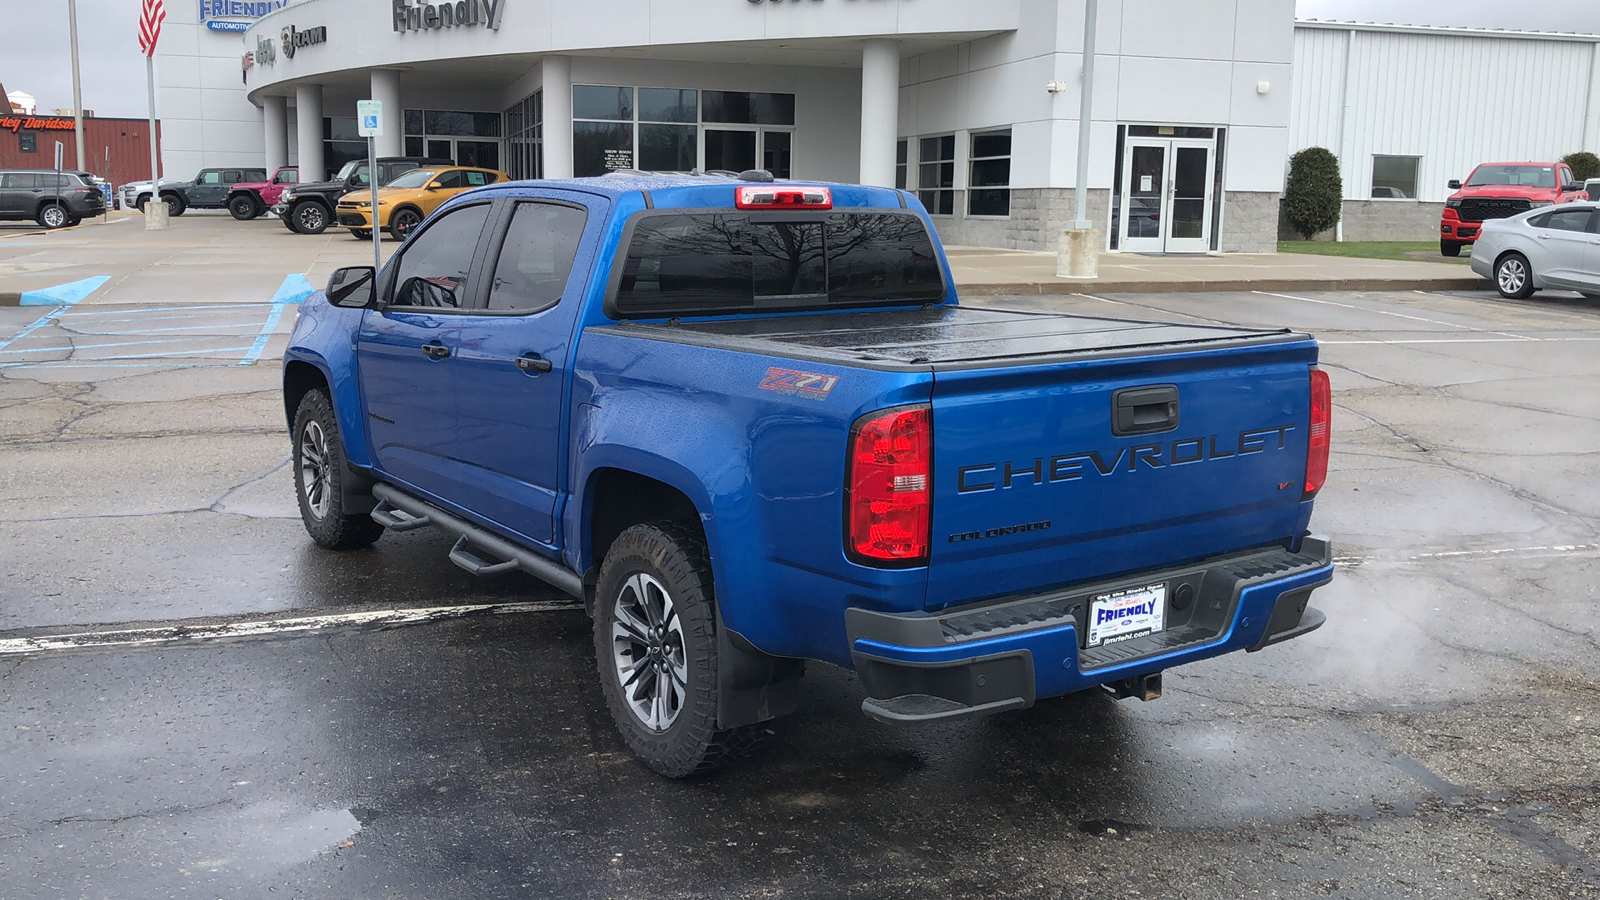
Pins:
<point x="294" y="39"/>
<point x="410" y="16"/>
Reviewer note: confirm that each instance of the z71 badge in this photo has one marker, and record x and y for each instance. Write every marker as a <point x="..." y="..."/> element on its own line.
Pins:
<point x="799" y="384"/>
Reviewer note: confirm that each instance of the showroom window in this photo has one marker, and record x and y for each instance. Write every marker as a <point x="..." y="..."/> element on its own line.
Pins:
<point x="465" y="138"/>
<point x="28" y="142"/>
<point x="1394" y="177"/>
<point x="669" y="132"/>
<point x="902" y="152"/>
<point x="602" y="129"/>
<point x="525" y="137"/>
<point x="989" y="174"/>
<point x="341" y="142"/>
<point x="656" y="129"/>
<point x="936" y="174"/>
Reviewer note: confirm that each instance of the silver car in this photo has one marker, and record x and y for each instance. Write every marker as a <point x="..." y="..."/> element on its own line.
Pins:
<point x="1543" y="248"/>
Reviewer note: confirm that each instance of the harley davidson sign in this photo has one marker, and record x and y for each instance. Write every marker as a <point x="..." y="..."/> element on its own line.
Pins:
<point x="19" y="123"/>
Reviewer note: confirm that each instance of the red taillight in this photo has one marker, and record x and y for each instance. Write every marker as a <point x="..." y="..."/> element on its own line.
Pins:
<point x="1321" y="423"/>
<point x="785" y="197"/>
<point x="888" y="501"/>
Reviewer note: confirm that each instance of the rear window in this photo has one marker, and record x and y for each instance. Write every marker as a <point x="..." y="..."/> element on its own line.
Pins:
<point x="706" y="263"/>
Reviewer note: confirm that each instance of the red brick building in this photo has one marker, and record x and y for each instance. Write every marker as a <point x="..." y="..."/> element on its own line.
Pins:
<point x="118" y="150"/>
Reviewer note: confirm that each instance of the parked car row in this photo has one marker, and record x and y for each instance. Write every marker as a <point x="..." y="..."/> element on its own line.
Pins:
<point x="1543" y="248"/>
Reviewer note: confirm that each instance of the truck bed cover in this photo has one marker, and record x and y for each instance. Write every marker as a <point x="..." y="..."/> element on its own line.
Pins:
<point x="949" y="336"/>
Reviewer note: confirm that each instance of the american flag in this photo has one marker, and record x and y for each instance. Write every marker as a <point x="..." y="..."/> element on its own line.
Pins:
<point x="150" y="18"/>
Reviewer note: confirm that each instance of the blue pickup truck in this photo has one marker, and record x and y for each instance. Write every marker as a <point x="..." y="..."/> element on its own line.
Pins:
<point x="749" y="424"/>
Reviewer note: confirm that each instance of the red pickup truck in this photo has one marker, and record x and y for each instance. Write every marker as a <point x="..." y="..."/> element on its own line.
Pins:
<point x="251" y="199"/>
<point x="1500" y="190"/>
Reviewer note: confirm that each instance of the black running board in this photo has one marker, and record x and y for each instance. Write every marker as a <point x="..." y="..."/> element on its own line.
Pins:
<point x="472" y="542"/>
<point x="911" y="709"/>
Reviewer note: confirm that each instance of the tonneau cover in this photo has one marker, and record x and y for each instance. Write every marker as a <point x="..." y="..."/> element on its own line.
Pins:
<point x="947" y="336"/>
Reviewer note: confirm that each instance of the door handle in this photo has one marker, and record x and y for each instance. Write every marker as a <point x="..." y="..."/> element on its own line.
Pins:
<point x="534" y="364"/>
<point x="436" y="351"/>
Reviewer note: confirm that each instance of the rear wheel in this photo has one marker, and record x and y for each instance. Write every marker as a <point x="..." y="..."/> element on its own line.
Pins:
<point x="244" y="207"/>
<point x="319" y="473"/>
<point x="175" y="205"/>
<point x="402" y="221"/>
<point x="309" y="217"/>
<point x="1449" y="248"/>
<point x="655" y="638"/>
<point x="361" y="234"/>
<point x="1513" y="276"/>
<point x="52" y="216"/>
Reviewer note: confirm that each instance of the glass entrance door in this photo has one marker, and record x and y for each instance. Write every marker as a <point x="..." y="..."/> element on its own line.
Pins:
<point x="1166" y="191"/>
<point x="740" y="149"/>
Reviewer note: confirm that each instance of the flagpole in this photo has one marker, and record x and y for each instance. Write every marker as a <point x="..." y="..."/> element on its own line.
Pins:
<point x="155" y="212"/>
<point x="77" y="88"/>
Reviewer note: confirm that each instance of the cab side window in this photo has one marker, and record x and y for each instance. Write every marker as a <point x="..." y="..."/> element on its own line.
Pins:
<point x="536" y="258"/>
<point x="478" y="179"/>
<point x="210" y="177"/>
<point x="1567" y="220"/>
<point x="435" y="271"/>
<point x="451" y="180"/>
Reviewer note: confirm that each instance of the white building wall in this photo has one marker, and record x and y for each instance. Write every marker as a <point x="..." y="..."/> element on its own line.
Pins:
<point x="206" y="117"/>
<point x="1453" y="99"/>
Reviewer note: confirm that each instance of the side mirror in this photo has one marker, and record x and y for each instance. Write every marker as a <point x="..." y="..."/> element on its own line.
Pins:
<point x="353" y="287"/>
<point x="1454" y="185"/>
<point x="431" y="187"/>
<point x="1571" y="188"/>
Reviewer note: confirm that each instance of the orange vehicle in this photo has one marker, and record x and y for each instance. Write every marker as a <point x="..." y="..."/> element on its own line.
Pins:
<point x="404" y="202"/>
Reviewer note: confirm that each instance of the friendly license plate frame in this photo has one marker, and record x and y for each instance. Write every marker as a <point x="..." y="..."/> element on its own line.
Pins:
<point x="1129" y="625"/>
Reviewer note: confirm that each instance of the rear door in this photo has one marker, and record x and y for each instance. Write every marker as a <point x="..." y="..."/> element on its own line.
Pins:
<point x="512" y="378"/>
<point x="1563" y="240"/>
<point x="1059" y="473"/>
<point x="17" y="195"/>
<point x="406" y="350"/>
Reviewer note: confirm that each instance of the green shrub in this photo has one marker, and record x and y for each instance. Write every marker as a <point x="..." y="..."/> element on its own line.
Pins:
<point x="1314" y="198"/>
<point x="1585" y="165"/>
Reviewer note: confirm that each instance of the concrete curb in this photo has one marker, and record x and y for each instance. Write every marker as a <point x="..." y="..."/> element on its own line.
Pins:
<point x="1236" y="285"/>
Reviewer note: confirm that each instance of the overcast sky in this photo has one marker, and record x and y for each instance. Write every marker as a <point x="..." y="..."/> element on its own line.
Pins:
<point x="34" y="56"/>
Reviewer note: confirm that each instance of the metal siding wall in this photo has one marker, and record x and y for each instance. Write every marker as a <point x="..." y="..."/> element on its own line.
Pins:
<point x="1455" y="101"/>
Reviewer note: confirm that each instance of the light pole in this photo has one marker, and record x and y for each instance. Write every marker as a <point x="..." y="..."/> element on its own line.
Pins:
<point x="77" y="83"/>
<point x="1079" y="254"/>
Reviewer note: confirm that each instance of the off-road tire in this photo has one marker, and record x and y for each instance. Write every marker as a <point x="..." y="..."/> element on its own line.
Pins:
<point x="323" y="514"/>
<point x="244" y="207"/>
<point x="403" y="221"/>
<point x="1513" y="277"/>
<point x="175" y="205"/>
<point x="361" y="234"/>
<point x="141" y="204"/>
<point x="52" y="215"/>
<point x="309" y="217"/>
<point x="1451" y="249"/>
<point x="674" y="555"/>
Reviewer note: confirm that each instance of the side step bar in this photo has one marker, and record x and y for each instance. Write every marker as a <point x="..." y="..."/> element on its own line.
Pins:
<point x="400" y="511"/>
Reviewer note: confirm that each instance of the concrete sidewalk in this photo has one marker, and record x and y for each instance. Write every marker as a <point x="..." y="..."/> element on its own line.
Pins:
<point x="980" y="271"/>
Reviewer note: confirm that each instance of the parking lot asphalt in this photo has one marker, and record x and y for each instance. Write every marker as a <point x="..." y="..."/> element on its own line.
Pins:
<point x="432" y="735"/>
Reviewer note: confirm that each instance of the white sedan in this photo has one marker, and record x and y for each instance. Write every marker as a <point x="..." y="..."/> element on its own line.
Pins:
<point x="1542" y="248"/>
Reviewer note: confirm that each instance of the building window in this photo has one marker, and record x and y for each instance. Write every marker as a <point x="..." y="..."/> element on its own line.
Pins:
<point x="602" y="129"/>
<point x="936" y="174"/>
<point x="464" y="137"/>
<point x="747" y="108"/>
<point x="678" y="130"/>
<point x="341" y="141"/>
<point x="902" y="153"/>
<point x="669" y="130"/>
<point x="525" y="137"/>
<point x="1394" y="177"/>
<point x="28" y="141"/>
<point x="989" y="177"/>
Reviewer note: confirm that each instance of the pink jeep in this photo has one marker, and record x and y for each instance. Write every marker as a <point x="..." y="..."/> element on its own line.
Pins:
<point x="248" y="200"/>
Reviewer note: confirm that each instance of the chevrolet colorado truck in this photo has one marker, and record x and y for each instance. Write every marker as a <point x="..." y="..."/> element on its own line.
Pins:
<point x="249" y="199"/>
<point x="1499" y="191"/>
<point x="749" y="424"/>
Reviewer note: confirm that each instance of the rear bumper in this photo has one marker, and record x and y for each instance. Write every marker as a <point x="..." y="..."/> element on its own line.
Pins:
<point x="1005" y="654"/>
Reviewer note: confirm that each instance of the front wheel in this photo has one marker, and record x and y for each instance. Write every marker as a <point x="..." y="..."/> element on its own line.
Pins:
<point x="655" y="638"/>
<point x="402" y="222"/>
<point x="1451" y="249"/>
<point x="309" y="218"/>
<point x="175" y="205"/>
<point x="361" y="234"/>
<point x="319" y="473"/>
<point x="52" y="216"/>
<point x="244" y="207"/>
<point x="1513" y="276"/>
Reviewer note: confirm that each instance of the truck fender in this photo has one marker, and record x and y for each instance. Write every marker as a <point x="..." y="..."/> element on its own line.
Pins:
<point x="303" y="373"/>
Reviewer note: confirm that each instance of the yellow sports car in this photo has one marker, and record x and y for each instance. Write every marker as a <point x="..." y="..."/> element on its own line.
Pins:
<point x="404" y="202"/>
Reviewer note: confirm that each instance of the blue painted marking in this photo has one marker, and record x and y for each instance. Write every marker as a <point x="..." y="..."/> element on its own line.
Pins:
<point x="38" y="323"/>
<point x="193" y="307"/>
<point x="294" y="289"/>
<point x="64" y="294"/>
<point x="82" y="347"/>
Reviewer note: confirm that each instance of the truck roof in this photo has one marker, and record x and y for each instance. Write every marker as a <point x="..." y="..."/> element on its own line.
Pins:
<point x="679" y="190"/>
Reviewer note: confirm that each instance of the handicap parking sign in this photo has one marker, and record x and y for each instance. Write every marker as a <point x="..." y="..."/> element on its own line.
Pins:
<point x="369" y="115"/>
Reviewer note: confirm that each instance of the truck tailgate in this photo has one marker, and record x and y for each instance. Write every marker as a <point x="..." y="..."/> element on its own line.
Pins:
<point x="1067" y="470"/>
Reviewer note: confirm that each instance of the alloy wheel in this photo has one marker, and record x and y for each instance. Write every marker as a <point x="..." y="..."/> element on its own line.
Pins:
<point x="1512" y="275"/>
<point x="54" y="217"/>
<point x="314" y="469"/>
<point x="405" y="220"/>
<point x="648" y="651"/>
<point x="310" y="217"/>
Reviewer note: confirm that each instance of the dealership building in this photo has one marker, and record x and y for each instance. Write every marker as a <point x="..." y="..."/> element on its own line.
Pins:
<point x="973" y="105"/>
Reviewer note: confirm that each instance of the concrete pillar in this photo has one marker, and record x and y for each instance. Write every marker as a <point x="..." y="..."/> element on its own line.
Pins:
<point x="275" y="118"/>
<point x="386" y="90"/>
<point x="557" y="117"/>
<point x="308" y="122"/>
<point x="880" y="111"/>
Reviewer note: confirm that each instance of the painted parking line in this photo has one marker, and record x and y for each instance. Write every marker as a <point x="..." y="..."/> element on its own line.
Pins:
<point x="295" y="288"/>
<point x="1386" y="312"/>
<point x="63" y="294"/>
<point x="190" y="633"/>
<point x="193" y="308"/>
<point x="81" y="347"/>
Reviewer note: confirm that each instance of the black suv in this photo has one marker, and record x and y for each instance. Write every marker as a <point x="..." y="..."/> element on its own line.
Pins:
<point x="208" y="190"/>
<point x="53" y="199"/>
<point x="308" y="208"/>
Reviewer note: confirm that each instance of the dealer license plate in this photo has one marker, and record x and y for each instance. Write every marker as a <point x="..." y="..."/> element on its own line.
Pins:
<point x="1127" y="614"/>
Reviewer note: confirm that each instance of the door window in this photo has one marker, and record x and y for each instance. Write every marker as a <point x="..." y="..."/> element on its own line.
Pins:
<point x="536" y="258"/>
<point x="730" y="151"/>
<point x="288" y="176"/>
<point x="1190" y="167"/>
<point x="210" y="177"/>
<point x="436" y="268"/>
<point x="24" y="181"/>
<point x="451" y="180"/>
<point x="1567" y="220"/>
<point x="1147" y="170"/>
<point x="479" y="179"/>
